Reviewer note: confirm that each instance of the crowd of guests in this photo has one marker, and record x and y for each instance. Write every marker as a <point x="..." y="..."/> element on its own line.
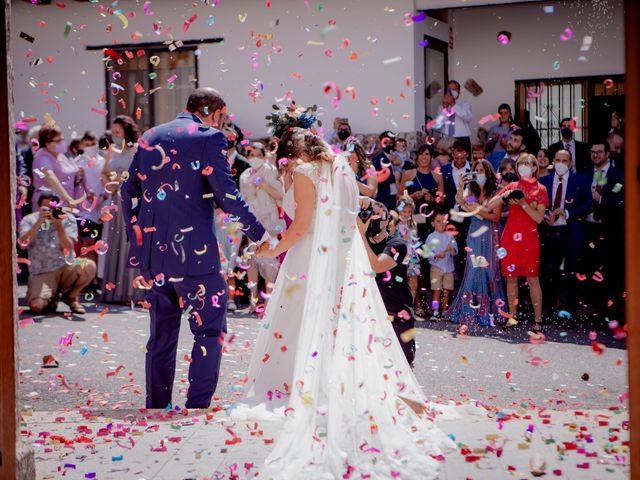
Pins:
<point x="478" y="224"/>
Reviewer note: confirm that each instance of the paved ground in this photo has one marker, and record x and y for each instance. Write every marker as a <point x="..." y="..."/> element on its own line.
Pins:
<point x="99" y="386"/>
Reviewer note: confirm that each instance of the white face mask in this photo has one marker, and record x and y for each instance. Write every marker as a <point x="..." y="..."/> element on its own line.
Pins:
<point x="455" y="94"/>
<point x="91" y="151"/>
<point x="525" y="171"/>
<point x="481" y="179"/>
<point x="561" y="168"/>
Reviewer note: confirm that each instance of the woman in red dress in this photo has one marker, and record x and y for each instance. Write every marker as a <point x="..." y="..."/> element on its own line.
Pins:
<point x="528" y="200"/>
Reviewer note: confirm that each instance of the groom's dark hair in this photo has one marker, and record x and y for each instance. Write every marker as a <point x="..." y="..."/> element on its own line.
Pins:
<point x="205" y="101"/>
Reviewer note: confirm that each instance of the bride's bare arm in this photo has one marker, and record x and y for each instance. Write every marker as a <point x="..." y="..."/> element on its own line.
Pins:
<point x="305" y="197"/>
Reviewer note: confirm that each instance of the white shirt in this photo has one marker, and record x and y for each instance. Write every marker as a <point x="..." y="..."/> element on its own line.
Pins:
<point x="456" y="172"/>
<point x="602" y="173"/>
<point x="92" y="170"/>
<point x="560" y="221"/>
<point x="571" y="147"/>
<point x="463" y="118"/>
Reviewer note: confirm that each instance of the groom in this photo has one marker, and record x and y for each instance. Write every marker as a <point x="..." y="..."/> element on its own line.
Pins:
<point x="177" y="177"/>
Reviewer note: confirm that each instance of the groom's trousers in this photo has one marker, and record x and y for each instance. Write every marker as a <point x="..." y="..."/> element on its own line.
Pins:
<point x="202" y="301"/>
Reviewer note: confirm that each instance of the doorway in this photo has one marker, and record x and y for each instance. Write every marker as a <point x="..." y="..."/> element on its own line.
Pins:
<point x="436" y="69"/>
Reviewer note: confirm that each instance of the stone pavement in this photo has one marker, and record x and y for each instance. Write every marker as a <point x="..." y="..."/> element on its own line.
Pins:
<point x="208" y="445"/>
<point x="84" y="419"/>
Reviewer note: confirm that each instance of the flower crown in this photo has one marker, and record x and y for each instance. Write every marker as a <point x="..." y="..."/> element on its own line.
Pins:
<point x="284" y="118"/>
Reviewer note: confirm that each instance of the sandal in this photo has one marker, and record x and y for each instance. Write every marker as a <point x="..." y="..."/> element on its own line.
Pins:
<point x="537" y="327"/>
<point x="75" y="306"/>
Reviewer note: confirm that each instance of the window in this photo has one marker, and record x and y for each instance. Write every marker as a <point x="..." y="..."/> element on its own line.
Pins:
<point x="150" y="82"/>
<point x="149" y="85"/>
<point x="590" y="101"/>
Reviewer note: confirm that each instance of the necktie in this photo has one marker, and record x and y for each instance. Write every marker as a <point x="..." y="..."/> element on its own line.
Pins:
<point x="557" y="201"/>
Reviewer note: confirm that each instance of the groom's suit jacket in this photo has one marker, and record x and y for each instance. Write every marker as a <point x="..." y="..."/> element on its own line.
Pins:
<point x="178" y="175"/>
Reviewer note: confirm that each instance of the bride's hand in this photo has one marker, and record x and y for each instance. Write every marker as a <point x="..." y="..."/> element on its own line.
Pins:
<point x="265" y="251"/>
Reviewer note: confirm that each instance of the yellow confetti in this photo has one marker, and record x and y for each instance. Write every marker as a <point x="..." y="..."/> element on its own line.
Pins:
<point x="204" y="350"/>
<point x="242" y="17"/>
<point x="155" y="60"/>
<point x="464" y="360"/>
<point x="123" y="19"/>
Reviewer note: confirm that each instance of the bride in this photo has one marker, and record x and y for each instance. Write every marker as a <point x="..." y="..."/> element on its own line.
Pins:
<point x="327" y="359"/>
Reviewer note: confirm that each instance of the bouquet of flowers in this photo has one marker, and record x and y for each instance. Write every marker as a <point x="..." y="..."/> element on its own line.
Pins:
<point x="284" y="118"/>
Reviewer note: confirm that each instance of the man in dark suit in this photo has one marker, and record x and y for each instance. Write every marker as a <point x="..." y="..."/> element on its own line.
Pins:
<point x="177" y="177"/>
<point x="579" y="150"/>
<point x="604" y="252"/>
<point x="387" y="189"/>
<point x="453" y="176"/>
<point x="563" y="234"/>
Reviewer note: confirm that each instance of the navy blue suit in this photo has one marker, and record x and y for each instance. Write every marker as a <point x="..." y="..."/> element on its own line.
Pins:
<point x="462" y="227"/>
<point x="604" y="251"/>
<point x="564" y="243"/>
<point x="384" y="194"/>
<point x="178" y="175"/>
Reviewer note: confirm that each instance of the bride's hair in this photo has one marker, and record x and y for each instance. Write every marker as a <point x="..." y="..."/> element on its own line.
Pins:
<point x="296" y="141"/>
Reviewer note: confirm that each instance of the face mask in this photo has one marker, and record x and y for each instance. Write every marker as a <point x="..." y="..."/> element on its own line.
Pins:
<point x="561" y="168"/>
<point x="525" y="171"/>
<point x="118" y="141"/>
<point x="343" y="135"/>
<point x="566" y="133"/>
<point x="481" y="179"/>
<point x="454" y="94"/>
<point x="510" y="177"/>
<point x="61" y="147"/>
<point x="91" y="151"/>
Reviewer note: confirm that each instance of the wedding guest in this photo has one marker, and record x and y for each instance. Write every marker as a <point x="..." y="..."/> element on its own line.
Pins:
<point x="387" y="186"/>
<point x="543" y="163"/>
<point x="506" y="175"/>
<point x="453" y="176"/>
<point x="457" y="115"/>
<point x="403" y="226"/>
<point x="365" y="173"/>
<point x="25" y="162"/>
<point x="481" y="293"/>
<point x="477" y="151"/>
<point x="55" y="273"/>
<point x="604" y="243"/>
<point x="118" y="279"/>
<point x="442" y="249"/>
<point x="563" y="235"/>
<point x="388" y="254"/>
<point x="89" y="225"/>
<point x="499" y="136"/>
<point x="424" y="186"/>
<point x="579" y="150"/>
<point x="402" y="152"/>
<point x="52" y="169"/>
<point x="527" y="201"/>
<point x="516" y="145"/>
<point x="262" y="190"/>
<point x="444" y="153"/>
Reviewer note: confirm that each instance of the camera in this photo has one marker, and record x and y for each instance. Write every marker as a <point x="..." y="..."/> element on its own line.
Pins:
<point x="470" y="177"/>
<point x="513" y="195"/>
<point x="365" y="214"/>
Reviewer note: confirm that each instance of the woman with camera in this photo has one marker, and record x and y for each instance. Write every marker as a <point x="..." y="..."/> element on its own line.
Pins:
<point x="527" y="200"/>
<point x="481" y="292"/>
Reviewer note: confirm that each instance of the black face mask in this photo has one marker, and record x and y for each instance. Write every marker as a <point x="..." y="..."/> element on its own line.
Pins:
<point x="566" y="133"/>
<point x="389" y="148"/>
<point x="510" y="177"/>
<point x="344" y="134"/>
<point x="231" y="144"/>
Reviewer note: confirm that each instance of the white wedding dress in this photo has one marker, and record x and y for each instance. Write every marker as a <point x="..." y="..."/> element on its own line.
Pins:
<point x="327" y="360"/>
